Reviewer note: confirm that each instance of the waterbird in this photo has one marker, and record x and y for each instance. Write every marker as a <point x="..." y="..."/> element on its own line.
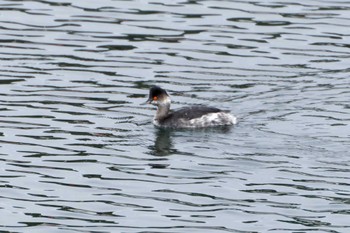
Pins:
<point x="197" y="116"/>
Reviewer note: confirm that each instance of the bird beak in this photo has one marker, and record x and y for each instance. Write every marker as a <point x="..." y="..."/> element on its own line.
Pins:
<point x="149" y="101"/>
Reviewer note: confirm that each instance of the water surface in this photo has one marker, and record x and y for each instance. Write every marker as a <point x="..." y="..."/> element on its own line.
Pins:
<point x="79" y="153"/>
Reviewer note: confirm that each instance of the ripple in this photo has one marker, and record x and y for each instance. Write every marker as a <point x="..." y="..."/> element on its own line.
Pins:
<point x="78" y="151"/>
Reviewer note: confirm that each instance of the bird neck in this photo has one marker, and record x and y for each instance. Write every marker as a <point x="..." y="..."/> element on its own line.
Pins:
<point x="163" y="109"/>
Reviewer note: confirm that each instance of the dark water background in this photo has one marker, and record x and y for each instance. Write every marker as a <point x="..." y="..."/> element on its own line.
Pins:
<point x="78" y="153"/>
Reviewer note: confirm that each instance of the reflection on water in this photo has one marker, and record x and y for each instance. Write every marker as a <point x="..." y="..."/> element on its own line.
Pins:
<point x="162" y="145"/>
<point x="78" y="152"/>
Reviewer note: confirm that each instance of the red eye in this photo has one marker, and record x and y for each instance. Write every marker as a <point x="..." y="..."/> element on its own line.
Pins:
<point x="155" y="98"/>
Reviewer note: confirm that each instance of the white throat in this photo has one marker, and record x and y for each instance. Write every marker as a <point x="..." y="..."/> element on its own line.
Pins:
<point x="163" y="108"/>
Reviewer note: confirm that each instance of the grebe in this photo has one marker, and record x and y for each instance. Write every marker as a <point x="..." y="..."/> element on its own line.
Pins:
<point x="188" y="117"/>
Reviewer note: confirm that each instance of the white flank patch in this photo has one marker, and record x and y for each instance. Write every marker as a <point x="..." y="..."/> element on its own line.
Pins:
<point x="213" y="119"/>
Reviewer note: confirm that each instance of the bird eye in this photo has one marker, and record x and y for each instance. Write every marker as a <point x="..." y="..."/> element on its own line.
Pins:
<point x="155" y="98"/>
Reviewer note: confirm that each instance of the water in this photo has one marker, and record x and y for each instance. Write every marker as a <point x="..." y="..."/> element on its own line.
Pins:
<point x="79" y="153"/>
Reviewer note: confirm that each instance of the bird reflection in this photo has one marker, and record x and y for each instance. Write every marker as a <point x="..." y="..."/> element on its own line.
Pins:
<point x="163" y="145"/>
